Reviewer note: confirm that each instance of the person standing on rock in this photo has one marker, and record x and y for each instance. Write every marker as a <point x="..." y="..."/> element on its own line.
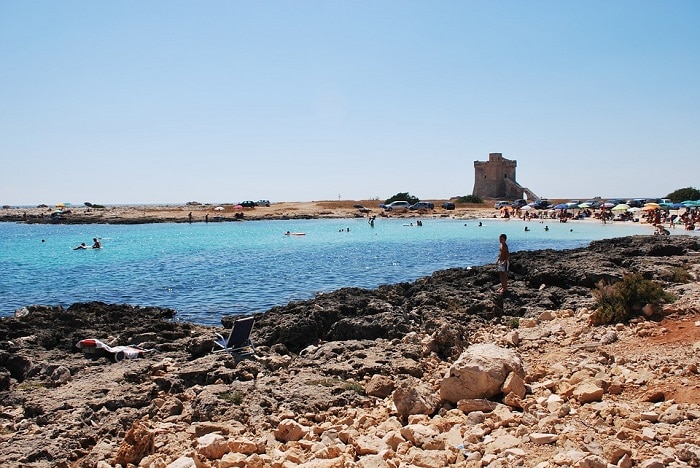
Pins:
<point x="502" y="263"/>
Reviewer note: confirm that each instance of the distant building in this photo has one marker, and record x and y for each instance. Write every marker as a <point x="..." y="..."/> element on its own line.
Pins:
<point x="495" y="178"/>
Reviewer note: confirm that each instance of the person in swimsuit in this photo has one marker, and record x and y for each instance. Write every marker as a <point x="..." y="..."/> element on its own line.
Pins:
<point x="97" y="244"/>
<point x="502" y="263"/>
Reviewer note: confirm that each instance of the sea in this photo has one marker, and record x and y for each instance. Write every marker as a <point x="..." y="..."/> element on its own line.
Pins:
<point x="207" y="270"/>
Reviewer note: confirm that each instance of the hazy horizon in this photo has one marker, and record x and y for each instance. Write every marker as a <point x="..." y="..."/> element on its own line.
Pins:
<point x="154" y="102"/>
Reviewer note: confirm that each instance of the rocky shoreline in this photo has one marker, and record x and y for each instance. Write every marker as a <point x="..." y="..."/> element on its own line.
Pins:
<point x="376" y="378"/>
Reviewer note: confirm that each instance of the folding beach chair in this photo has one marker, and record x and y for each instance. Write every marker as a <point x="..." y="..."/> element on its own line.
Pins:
<point x="238" y="343"/>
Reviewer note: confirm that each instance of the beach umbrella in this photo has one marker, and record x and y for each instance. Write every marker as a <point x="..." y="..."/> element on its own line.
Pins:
<point x="584" y="205"/>
<point x="652" y="205"/>
<point x="608" y="205"/>
<point x="527" y="208"/>
<point x="634" y="210"/>
<point x="621" y="207"/>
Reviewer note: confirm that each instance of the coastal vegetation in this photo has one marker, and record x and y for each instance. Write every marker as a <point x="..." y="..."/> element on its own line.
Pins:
<point x="470" y="199"/>
<point x="234" y="397"/>
<point x="688" y="193"/>
<point x="403" y="196"/>
<point x="622" y="301"/>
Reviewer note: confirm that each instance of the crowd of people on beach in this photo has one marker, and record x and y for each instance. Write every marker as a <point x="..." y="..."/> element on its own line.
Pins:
<point x="688" y="218"/>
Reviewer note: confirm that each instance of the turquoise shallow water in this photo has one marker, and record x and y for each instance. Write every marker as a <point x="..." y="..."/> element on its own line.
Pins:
<point x="205" y="271"/>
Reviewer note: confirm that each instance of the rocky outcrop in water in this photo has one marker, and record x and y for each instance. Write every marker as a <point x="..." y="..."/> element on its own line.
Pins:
<point x="354" y="377"/>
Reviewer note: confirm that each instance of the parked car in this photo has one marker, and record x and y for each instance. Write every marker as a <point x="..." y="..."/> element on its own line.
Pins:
<point x="613" y="202"/>
<point x="593" y="203"/>
<point x="247" y="204"/>
<point x="397" y="205"/>
<point x="519" y="203"/>
<point x="422" y="205"/>
<point x="501" y="204"/>
<point x="448" y="205"/>
<point x="262" y="203"/>
<point x="635" y="203"/>
<point x="541" y="204"/>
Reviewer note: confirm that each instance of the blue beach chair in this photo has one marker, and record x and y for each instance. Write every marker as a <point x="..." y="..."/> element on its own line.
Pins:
<point x="238" y="344"/>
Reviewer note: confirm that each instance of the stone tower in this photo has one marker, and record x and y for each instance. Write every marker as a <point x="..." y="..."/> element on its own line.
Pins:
<point x="495" y="178"/>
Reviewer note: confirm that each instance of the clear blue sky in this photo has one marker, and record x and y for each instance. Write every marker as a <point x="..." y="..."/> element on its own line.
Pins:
<point x="220" y="101"/>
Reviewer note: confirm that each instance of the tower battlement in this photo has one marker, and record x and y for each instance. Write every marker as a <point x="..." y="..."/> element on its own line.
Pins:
<point x="495" y="178"/>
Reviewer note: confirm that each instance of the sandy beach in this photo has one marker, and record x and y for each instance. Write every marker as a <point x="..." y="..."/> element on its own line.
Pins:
<point x="230" y="212"/>
<point x="199" y="213"/>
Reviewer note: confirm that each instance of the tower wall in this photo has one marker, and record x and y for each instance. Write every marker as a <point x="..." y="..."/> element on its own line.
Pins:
<point x="492" y="178"/>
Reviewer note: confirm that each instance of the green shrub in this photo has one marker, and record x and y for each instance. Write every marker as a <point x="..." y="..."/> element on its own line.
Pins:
<point x="680" y="275"/>
<point x="623" y="300"/>
<point x="514" y="322"/>
<point x="403" y="196"/>
<point x="236" y="397"/>
<point x="470" y="199"/>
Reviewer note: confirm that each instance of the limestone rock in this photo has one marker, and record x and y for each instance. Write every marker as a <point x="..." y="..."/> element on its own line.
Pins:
<point x="467" y="405"/>
<point x="419" y="435"/>
<point x="515" y="384"/>
<point x="413" y="396"/>
<point x="138" y="442"/>
<point x="380" y="386"/>
<point x="243" y="445"/>
<point x="592" y="461"/>
<point x="542" y="438"/>
<point x="480" y="372"/>
<point x="212" y="446"/>
<point x="588" y="392"/>
<point x="289" y="430"/>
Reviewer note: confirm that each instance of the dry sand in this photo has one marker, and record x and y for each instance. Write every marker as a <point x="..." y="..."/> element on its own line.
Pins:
<point x="281" y="210"/>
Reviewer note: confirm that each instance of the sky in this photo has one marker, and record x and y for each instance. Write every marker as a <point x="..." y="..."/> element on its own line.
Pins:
<point x="140" y="102"/>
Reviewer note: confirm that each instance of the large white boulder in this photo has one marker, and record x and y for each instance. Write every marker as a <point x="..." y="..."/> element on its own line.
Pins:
<point x="480" y="372"/>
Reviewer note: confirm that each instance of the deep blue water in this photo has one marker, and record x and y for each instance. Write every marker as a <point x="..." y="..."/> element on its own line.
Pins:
<point x="205" y="271"/>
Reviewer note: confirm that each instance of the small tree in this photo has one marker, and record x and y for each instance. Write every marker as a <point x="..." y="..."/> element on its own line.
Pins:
<point x="688" y="193"/>
<point x="403" y="196"/>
